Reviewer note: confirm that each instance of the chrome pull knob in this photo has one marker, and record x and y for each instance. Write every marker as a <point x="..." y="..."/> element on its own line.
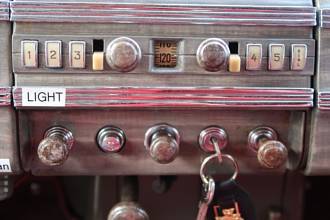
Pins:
<point x="127" y="211"/>
<point x="54" y="149"/>
<point x="212" y="54"/>
<point x="162" y="141"/>
<point x="111" y="139"/>
<point x="271" y="153"/>
<point x="123" y="54"/>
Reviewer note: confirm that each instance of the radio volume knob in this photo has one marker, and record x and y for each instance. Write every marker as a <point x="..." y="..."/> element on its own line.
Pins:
<point x="123" y="54"/>
<point x="54" y="149"/>
<point x="212" y="54"/>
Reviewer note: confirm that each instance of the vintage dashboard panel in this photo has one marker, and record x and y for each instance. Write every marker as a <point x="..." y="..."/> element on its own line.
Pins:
<point x="9" y="155"/>
<point x="108" y="87"/>
<point x="318" y="162"/>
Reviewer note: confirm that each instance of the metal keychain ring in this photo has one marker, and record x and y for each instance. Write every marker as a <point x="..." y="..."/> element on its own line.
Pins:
<point x="214" y="156"/>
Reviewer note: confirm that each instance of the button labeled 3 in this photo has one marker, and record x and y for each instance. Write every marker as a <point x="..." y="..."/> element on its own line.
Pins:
<point x="77" y="54"/>
<point x="29" y="50"/>
<point x="253" y="56"/>
<point x="276" y="56"/>
<point x="53" y="53"/>
<point x="298" y="56"/>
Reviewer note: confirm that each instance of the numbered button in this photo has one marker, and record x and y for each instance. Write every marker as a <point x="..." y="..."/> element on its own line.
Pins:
<point x="29" y="50"/>
<point x="276" y="56"/>
<point x="253" y="56"/>
<point x="298" y="56"/>
<point x="77" y="54"/>
<point x="53" y="53"/>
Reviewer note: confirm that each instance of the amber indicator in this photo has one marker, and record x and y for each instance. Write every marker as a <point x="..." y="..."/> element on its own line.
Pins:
<point x="165" y="54"/>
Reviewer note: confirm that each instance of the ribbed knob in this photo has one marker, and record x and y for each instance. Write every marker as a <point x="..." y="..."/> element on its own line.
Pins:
<point x="127" y="211"/>
<point x="123" y="54"/>
<point x="212" y="54"/>
<point x="162" y="142"/>
<point x="272" y="154"/>
<point x="54" y="149"/>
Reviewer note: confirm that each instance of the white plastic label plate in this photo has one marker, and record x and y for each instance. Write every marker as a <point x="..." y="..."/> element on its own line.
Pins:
<point x="5" y="166"/>
<point x="43" y="96"/>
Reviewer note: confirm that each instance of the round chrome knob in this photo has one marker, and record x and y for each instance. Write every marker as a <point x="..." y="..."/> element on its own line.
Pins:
<point x="111" y="139"/>
<point x="127" y="211"/>
<point x="271" y="153"/>
<point x="54" y="149"/>
<point x="162" y="142"/>
<point x="212" y="54"/>
<point x="123" y="54"/>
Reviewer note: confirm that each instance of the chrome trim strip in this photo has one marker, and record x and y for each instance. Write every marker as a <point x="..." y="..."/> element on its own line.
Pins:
<point x="324" y="18"/>
<point x="158" y="13"/>
<point x="182" y="97"/>
<point x="4" y="11"/>
<point x="5" y="96"/>
<point x="323" y="100"/>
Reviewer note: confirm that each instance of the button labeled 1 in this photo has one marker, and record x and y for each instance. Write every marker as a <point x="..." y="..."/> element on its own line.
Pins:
<point x="276" y="56"/>
<point x="29" y="52"/>
<point x="253" y="56"/>
<point x="53" y="52"/>
<point x="77" y="54"/>
<point x="298" y="56"/>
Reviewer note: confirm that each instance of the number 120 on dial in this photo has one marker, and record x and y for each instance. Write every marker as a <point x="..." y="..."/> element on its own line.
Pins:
<point x="165" y="54"/>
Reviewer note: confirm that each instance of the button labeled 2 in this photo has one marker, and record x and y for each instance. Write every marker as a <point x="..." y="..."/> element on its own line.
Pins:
<point x="77" y="54"/>
<point x="276" y="56"/>
<point x="29" y="50"/>
<point x="53" y="53"/>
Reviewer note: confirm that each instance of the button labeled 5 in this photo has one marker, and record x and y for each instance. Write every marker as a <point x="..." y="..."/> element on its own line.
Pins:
<point x="29" y="50"/>
<point x="53" y="53"/>
<point x="276" y="56"/>
<point x="77" y="54"/>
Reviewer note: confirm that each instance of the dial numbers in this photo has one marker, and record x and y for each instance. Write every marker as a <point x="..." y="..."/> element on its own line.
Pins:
<point x="165" y="54"/>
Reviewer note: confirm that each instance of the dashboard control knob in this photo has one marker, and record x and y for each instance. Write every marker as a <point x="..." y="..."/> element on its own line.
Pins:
<point x="212" y="54"/>
<point x="271" y="153"/>
<point x="111" y="139"/>
<point x="123" y="54"/>
<point x="54" y="149"/>
<point x="162" y="141"/>
<point x="127" y="211"/>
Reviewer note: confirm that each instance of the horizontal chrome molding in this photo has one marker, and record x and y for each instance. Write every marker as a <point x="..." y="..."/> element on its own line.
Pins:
<point x="5" y="96"/>
<point x="4" y="11"/>
<point x="182" y="97"/>
<point x="324" y="18"/>
<point x="161" y="13"/>
<point x="323" y="100"/>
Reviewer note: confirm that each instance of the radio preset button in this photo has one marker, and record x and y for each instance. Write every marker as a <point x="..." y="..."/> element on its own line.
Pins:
<point x="53" y="54"/>
<point x="212" y="54"/>
<point x="253" y="56"/>
<point x="298" y="56"/>
<point x="276" y="56"/>
<point x="98" y="61"/>
<point x="29" y="52"/>
<point x="234" y="63"/>
<point x="77" y="51"/>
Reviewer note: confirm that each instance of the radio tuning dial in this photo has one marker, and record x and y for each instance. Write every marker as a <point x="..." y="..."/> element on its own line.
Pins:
<point x="54" y="149"/>
<point x="162" y="141"/>
<point x="212" y="54"/>
<point x="123" y="54"/>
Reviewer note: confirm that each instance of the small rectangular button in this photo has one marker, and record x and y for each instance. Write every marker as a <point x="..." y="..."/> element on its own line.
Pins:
<point x="77" y="54"/>
<point x="253" y="56"/>
<point x="298" y="56"/>
<point x="98" y="59"/>
<point x="234" y="63"/>
<point x="53" y="54"/>
<point x="276" y="56"/>
<point x="29" y="50"/>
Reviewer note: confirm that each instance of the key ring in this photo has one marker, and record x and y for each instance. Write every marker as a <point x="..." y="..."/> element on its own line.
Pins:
<point x="205" y="179"/>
